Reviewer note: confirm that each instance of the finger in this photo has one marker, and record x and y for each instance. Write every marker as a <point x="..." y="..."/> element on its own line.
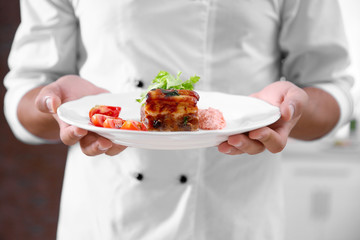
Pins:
<point x="49" y="99"/>
<point x="115" y="149"/>
<point x="93" y="144"/>
<point x="226" y="148"/>
<point x="243" y="143"/>
<point x="287" y="111"/>
<point x="70" y="135"/>
<point x="293" y="103"/>
<point x="274" y="141"/>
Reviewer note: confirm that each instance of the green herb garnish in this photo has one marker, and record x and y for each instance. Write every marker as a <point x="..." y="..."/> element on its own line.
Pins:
<point x="165" y="80"/>
<point x="185" y="120"/>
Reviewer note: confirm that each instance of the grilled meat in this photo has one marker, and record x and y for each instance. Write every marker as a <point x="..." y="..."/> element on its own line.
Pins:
<point x="170" y="110"/>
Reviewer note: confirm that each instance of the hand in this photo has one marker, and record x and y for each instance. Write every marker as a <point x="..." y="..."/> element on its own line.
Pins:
<point x="291" y="100"/>
<point x="66" y="89"/>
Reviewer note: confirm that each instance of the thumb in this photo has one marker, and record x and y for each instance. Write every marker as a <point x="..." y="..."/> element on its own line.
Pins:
<point x="288" y="111"/>
<point x="48" y="100"/>
<point x="293" y="105"/>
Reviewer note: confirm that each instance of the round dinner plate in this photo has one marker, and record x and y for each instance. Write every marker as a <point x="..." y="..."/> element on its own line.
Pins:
<point x="241" y="114"/>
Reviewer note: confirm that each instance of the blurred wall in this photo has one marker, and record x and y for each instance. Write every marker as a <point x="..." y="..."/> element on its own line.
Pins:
<point x="351" y="9"/>
<point x="30" y="176"/>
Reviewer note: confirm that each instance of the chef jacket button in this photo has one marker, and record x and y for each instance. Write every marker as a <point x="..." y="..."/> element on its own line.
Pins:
<point x="139" y="83"/>
<point x="183" y="179"/>
<point x="139" y="176"/>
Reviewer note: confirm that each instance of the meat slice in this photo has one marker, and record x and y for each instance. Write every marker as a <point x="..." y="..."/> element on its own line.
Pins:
<point x="170" y="110"/>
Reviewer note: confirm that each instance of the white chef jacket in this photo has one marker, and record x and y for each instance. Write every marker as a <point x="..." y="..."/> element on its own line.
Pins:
<point x="235" y="46"/>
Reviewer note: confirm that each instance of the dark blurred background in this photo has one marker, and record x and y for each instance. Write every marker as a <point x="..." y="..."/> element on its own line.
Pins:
<point x="30" y="176"/>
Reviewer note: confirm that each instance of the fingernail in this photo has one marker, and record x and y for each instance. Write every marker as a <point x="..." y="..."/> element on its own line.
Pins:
<point x="78" y="135"/>
<point x="103" y="149"/>
<point x="258" y="137"/>
<point x="228" y="151"/>
<point x="238" y="145"/>
<point x="292" y="110"/>
<point x="48" y="104"/>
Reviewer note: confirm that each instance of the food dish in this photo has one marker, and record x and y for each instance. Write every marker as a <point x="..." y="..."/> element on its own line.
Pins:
<point x="241" y="113"/>
<point x="170" y="110"/>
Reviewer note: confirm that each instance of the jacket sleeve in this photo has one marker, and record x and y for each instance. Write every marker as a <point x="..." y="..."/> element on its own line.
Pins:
<point x="315" y="50"/>
<point x="44" y="48"/>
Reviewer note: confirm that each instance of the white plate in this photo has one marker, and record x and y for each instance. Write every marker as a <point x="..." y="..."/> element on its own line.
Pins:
<point x="241" y="113"/>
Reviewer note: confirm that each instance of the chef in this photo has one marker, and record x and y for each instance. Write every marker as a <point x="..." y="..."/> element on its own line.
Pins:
<point x="292" y="54"/>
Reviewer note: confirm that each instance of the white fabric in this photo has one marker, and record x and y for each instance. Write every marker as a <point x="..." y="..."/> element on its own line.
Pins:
<point x="234" y="46"/>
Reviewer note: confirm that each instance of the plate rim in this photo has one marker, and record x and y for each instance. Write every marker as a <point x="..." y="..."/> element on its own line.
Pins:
<point x="155" y="134"/>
